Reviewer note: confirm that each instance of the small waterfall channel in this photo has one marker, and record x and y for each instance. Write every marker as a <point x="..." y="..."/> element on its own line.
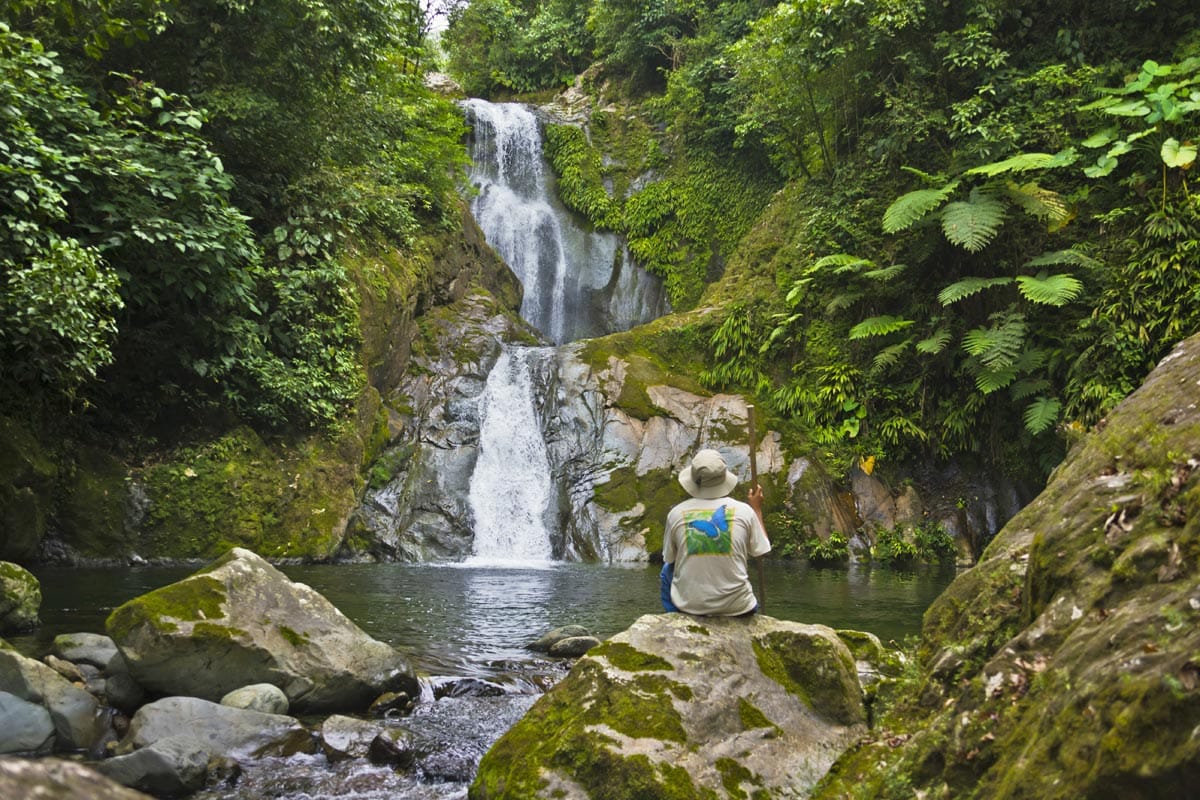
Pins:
<point x="578" y="284"/>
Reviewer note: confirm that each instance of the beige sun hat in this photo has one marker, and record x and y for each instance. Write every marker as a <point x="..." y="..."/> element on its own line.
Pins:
<point x="707" y="477"/>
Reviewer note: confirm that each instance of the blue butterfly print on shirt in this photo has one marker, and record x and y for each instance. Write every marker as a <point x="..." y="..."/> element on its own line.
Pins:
<point x="714" y="527"/>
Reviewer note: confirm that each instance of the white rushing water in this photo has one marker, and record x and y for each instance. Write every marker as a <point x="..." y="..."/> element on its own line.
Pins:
<point x="579" y="283"/>
<point x="511" y="489"/>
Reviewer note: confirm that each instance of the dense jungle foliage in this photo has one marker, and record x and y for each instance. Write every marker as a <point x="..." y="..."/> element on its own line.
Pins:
<point x="969" y="227"/>
<point x="182" y="179"/>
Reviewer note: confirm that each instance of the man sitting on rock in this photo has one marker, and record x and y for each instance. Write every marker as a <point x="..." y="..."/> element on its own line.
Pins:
<point x="709" y="540"/>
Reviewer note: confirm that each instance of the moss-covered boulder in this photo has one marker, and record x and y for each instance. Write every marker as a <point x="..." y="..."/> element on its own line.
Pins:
<point x="20" y="598"/>
<point x="686" y="707"/>
<point x="241" y="621"/>
<point x="1066" y="664"/>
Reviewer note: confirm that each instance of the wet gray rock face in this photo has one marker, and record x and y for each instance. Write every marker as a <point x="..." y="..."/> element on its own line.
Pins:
<point x="74" y="713"/>
<point x="241" y="621"/>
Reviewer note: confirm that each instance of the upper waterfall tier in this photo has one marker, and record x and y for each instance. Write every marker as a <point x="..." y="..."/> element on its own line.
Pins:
<point x="578" y="283"/>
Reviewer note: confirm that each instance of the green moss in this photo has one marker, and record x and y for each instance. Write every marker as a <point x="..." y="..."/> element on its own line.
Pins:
<point x="196" y="598"/>
<point x="814" y="669"/>
<point x="630" y="659"/>
<point x="752" y="717"/>
<point x="733" y="775"/>
<point x="212" y="632"/>
<point x="555" y="733"/>
<point x="292" y="637"/>
<point x="657" y="491"/>
<point x="700" y="629"/>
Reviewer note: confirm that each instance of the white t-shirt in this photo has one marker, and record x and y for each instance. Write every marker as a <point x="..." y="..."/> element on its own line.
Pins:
<point x="710" y="543"/>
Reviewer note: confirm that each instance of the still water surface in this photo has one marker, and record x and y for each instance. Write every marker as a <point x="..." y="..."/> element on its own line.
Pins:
<point x="453" y="620"/>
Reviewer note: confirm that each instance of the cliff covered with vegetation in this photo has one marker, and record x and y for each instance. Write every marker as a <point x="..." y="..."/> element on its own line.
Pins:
<point x="930" y="230"/>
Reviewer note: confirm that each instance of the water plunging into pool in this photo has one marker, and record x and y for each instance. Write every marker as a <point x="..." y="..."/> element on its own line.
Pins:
<point x="511" y="488"/>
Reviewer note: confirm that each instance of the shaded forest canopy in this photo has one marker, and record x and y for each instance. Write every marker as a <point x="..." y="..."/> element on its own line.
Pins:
<point x="930" y="229"/>
<point x="968" y="227"/>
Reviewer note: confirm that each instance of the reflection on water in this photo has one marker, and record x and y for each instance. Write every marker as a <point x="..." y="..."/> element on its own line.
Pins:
<point x="454" y="620"/>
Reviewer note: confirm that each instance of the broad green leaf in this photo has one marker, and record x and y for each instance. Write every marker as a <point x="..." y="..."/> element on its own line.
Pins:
<point x="1103" y="166"/>
<point x="907" y="209"/>
<point x="1051" y="290"/>
<point x="1043" y="204"/>
<point x="879" y="326"/>
<point x="966" y="287"/>
<point x="1100" y="138"/>
<point x="842" y="262"/>
<point x="1178" y="155"/>
<point x="1132" y="108"/>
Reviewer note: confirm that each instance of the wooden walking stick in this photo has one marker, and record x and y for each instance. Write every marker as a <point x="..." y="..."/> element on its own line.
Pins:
<point x="762" y="578"/>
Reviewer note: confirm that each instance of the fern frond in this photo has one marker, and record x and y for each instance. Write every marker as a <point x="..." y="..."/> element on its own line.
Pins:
<point x="934" y="343"/>
<point x="842" y="301"/>
<point x="1041" y="414"/>
<point x="973" y="223"/>
<point x="988" y="380"/>
<point x="907" y="209"/>
<point x="1001" y="344"/>
<point x="1022" y="162"/>
<point x="925" y="176"/>
<point x="842" y="262"/>
<point x="890" y="356"/>
<point x="879" y="326"/>
<point x="967" y="287"/>
<point x="1037" y="202"/>
<point x="1074" y="258"/>
<point x="885" y="273"/>
<point x="1049" y="290"/>
<point x="1028" y="388"/>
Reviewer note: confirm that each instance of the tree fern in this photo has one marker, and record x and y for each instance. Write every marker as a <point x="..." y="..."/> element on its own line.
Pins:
<point x="966" y="287"/>
<point x="879" y="326"/>
<point x="1041" y="414"/>
<point x="907" y="209"/>
<point x="973" y="223"/>
<point x="1049" y="290"/>
<point x="842" y="301"/>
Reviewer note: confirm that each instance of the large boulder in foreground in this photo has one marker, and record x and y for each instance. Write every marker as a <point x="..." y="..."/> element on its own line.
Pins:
<point x="241" y="621"/>
<point x="683" y="707"/>
<point x="1066" y="664"/>
<point x="52" y="778"/>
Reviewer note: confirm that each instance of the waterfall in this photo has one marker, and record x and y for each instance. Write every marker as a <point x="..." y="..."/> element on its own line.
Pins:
<point x="578" y="283"/>
<point x="511" y="490"/>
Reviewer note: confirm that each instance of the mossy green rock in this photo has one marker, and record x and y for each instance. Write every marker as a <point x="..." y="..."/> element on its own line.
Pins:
<point x="676" y="707"/>
<point x="20" y="598"/>
<point x="240" y="621"/>
<point x="1066" y="664"/>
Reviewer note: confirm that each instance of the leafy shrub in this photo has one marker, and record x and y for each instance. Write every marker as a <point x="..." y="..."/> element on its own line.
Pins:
<point x="833" y="550"/>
